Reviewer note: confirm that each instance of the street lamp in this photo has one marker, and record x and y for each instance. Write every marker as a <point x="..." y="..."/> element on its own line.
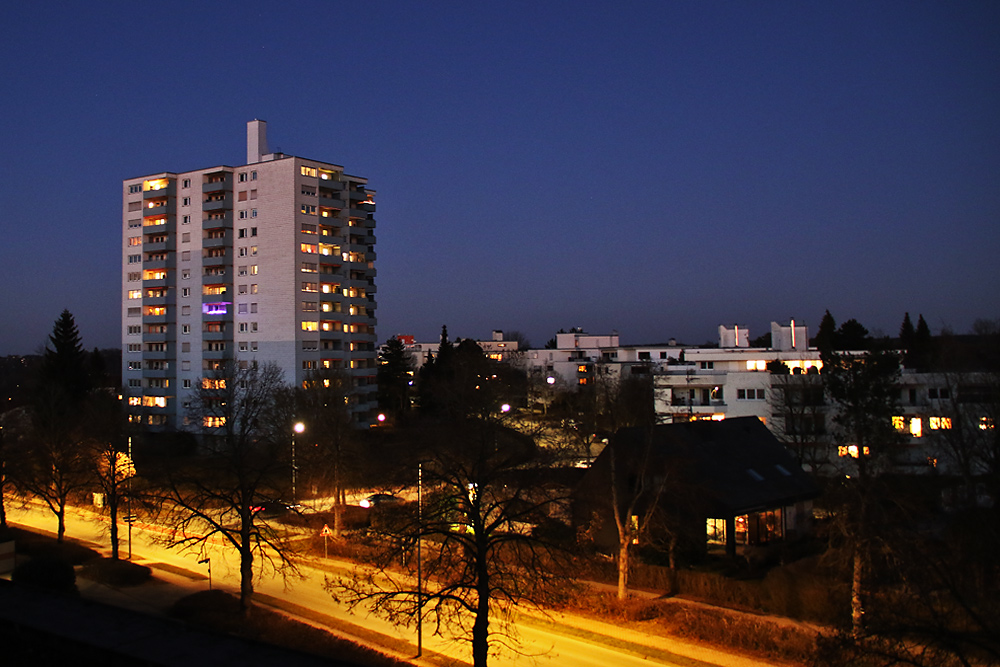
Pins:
<point x="297" y="428"/>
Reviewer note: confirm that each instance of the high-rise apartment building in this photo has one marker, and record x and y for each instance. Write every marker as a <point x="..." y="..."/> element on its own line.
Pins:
<point x="270" y="261"/>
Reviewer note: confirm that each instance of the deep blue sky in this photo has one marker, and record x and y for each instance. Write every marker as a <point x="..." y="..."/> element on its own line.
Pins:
<point x="657" y="168"/>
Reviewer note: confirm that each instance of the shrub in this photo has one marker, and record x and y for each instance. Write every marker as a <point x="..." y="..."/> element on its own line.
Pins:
<point x="48" y="573"/>
<point x="120" y="573"/>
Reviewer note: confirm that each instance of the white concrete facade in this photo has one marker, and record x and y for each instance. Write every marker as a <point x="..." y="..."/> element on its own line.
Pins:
<point x="271" y="261"/>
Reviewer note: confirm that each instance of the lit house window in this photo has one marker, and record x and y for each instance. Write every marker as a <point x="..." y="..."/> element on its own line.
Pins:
<point x="939" y="423"/>
<point x="310" y="326"/>
<point x="135" y="294"/>
<point x="308" y="171"/>
<point x="213" y="422"/>
<point x="756" y="365"/>
<point x="308" y="248"/>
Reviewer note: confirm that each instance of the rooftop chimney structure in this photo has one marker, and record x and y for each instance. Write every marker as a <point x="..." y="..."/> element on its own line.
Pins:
<point x="256" y="140"/>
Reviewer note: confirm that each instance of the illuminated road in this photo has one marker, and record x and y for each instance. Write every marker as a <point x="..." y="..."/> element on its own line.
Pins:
<point x="542" y="642"/>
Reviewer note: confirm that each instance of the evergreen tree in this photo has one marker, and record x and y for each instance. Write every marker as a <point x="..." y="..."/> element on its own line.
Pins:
<point x="922" y="345"/>
<point x="852" y="335"/>
<point x="826" y="337"/>
<point x="906" y="332"/>
<point x="395" y="373"/>
<point x="64" y="364"/>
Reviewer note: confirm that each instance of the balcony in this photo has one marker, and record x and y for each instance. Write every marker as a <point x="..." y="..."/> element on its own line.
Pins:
<point x="157" y="337"/>
<point x="225" y="258"/>
<point x="218" y="202"/>
<point x="157" y="300"/>
<point x="358" y="195"/>
<point x="168" y="191"/>
<point x="167" y="263"/>
<point x="216" y="279"/>
<point x="215" y="243"/>
<point x="157" y="373"/>
<point x="226" y="295"/>
<point x="218" y="221"/>
<point x="217" y="182"/>
<point x="155" y="319"/>
<point x="217" y="355"/>
<point x="157" y="355"/>
<point x="216" y="335"/>
<point x="156" y="209"/>
<point x="159" y="246"/>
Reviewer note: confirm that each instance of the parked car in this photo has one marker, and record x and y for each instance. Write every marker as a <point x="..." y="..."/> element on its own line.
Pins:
<point x="376" y="499"/>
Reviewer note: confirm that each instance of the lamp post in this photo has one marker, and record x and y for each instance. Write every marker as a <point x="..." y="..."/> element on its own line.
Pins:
<point x="420" y="539"/>
<point x="297" y="428"/>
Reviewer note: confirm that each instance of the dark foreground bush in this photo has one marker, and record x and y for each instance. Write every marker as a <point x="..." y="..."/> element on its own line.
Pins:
<point x="119" y="573"/>
<point x="36" y="545"/>
<point x="51" y="574"/>
<point x="220" y="612"/>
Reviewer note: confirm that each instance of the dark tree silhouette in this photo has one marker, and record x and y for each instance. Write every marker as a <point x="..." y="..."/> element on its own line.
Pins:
<point x="480" y="556"/>
<point x="395" y="376"/>
<point x="210" y="496"/>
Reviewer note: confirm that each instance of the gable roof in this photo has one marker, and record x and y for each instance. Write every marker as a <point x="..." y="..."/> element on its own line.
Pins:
<point x="738" y="463"/>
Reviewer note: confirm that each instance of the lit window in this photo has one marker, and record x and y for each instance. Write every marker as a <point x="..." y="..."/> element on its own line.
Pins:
<point x="939" y="423"/>
<point x="213" y="422"/>
<point x="253" y="269"/>
<point x="898" y="423"/>
<point x="916" y="427"/>
<point x="309" y="287"/>
<point x="135" y="240"/>
<point x="756" y="365"/>
<point x="135" y="294"/>
<point x="308" y="171"/>
<point x="308" y="209"/>
<point x="309" y="248"/>
<point x="215" y="308"/>
<point x="310" y="326"/>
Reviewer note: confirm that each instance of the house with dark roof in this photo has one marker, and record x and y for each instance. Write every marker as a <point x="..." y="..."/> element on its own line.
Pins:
<point x="727" y="482"/>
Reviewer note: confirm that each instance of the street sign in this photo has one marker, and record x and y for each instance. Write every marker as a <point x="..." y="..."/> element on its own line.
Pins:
<point x="326" y="532"/>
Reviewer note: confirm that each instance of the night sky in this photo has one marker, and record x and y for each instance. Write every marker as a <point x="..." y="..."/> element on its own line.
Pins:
<point x="655" y="168"/>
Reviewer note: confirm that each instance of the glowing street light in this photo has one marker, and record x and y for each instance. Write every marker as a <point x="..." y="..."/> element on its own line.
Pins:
<point x="297" y="429"/>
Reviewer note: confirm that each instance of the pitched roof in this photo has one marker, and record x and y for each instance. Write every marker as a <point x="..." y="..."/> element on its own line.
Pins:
<point x="738" y="463"/>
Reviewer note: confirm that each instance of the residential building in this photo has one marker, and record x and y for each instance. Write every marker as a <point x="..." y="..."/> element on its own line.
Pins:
<point x="497" y="348"/>
<point x="729" y="483"/>
<point x="268" y="261"/>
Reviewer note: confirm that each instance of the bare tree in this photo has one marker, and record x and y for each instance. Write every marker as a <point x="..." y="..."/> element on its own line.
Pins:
<point x="863" y="389"/>
<point x="112" y="468"/>
<point x="218" y="494"/>
<point x="636" y="491"/>
<point x="799" y="415"/>
<point x="484" y="493"/>
<point x="328" y="438"/>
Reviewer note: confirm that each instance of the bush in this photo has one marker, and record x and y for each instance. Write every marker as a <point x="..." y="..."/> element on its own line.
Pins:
<point x="48" y="573"/>
<point x="119" y="573"/>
